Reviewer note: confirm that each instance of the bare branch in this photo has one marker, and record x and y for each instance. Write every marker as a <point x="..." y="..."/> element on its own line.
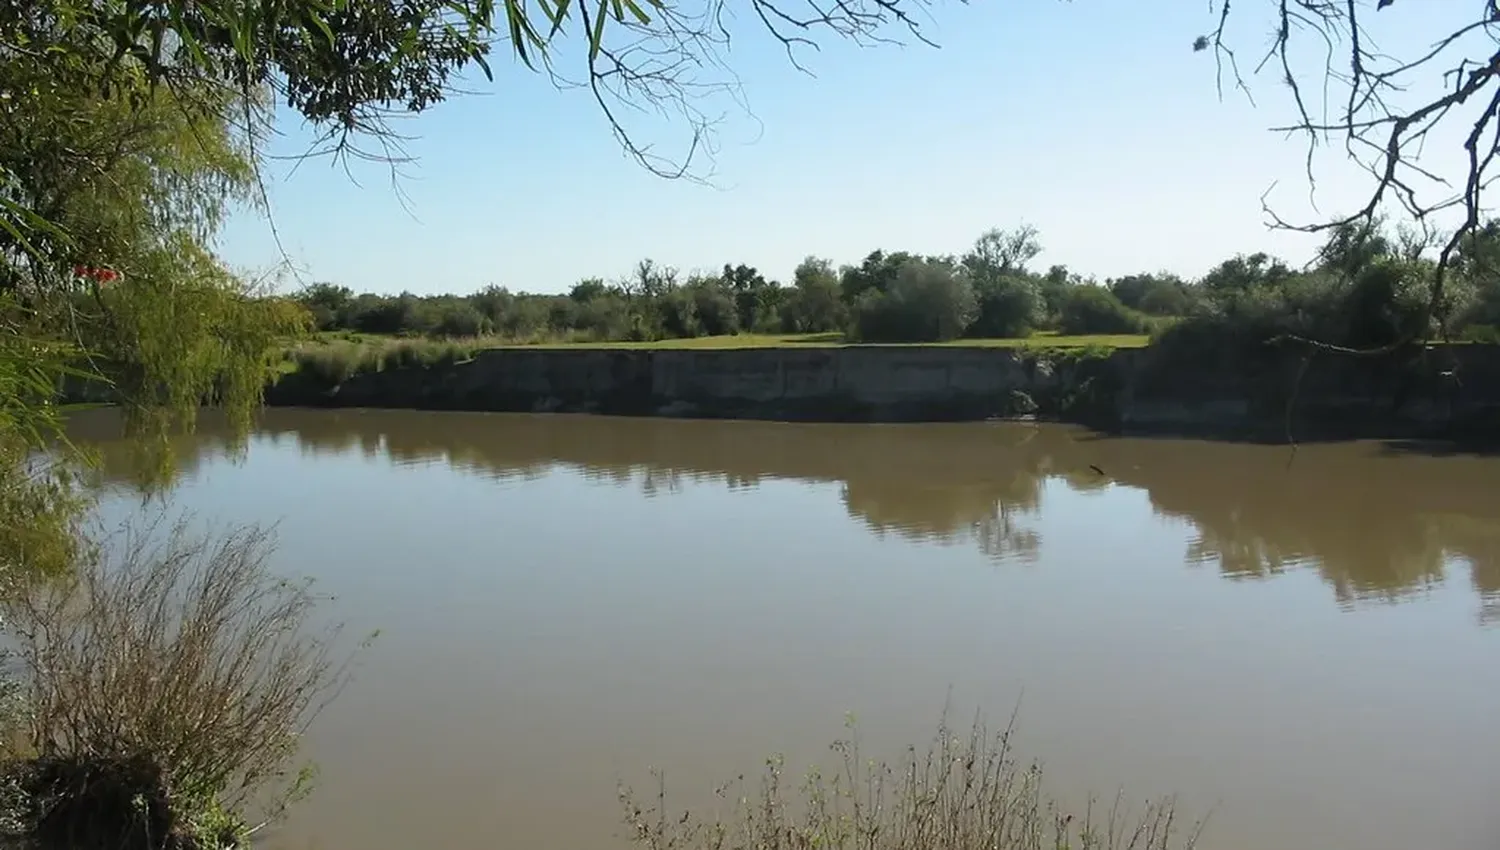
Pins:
<point x="1382" y="136"/>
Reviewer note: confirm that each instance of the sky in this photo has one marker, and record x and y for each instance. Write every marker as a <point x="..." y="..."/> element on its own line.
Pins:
<point x="1092" y="120"/>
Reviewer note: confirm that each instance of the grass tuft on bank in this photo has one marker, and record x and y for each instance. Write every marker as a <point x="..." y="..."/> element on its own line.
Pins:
<point x="338" y="356"/>
<point x="964" y="791"/>
<point x="338" y="360"/>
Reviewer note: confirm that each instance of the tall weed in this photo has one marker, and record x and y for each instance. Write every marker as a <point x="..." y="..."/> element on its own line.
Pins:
<point x="178" y="676"/>
<point x="965" y="792"/>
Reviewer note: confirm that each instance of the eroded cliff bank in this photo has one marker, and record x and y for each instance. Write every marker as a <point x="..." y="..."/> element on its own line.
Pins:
<point x="1435" y="391"/>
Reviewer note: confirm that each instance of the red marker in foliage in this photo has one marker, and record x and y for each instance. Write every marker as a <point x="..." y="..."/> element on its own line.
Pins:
<point x="98" y="275"/>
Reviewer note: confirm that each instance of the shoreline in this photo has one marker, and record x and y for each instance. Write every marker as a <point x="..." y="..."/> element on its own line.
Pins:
<point x="1268" y="394"/>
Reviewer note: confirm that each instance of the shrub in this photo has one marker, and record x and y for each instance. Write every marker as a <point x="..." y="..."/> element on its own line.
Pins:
<point x="679" y="314"/>
<point x="376" y="315"/>
<point x="166" y="686"/>
<point x="459" y="320"/>
<point x="715" y="306"/>
<point x="815" y="302"/>
<point x="965" y="791"/>
<point x="1009" y="307"/>
<point x="1096" y="310"/>
<point x="423" y="353"/>
<point x="1167" y="300"/>
<point x="337" y="362"/>
<point x="929" y="301"/>
<point x="1385" y="302"/>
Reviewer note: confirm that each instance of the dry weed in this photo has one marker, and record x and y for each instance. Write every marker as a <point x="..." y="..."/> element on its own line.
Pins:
<point x="182" y="652"/>
<point x="966" y="792"/>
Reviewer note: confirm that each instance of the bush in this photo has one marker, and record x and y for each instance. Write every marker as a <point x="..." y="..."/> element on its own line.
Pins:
<point x="928" y="301"/>
<point x="1009" y="307"/>
<point x="423" y="353"/>
<point x="1383" y="303"/>
<point x="965" y="791"/>
<point x="375" y="315"/>
<point x="460" y="320"/>
<point x="679" y="314"/>
<point x="815" y="302"/>
<point x="1386" y="302"/>
<point x="715" y="306"/>
<point x="179" y="677"/>
<point x="1095" y="310"/>
<point x="337" y="362"/>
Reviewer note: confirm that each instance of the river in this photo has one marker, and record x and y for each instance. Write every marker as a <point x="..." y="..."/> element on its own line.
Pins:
<point x="1303" y="645"/>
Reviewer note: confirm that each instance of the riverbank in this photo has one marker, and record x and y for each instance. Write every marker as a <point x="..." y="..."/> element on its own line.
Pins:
<point x="1431" y="391"/>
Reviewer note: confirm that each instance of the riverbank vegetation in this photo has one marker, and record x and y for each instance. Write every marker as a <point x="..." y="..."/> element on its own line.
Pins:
<point x="155" y="692"/>
<point x="168" y="681"/>
<point x="129" y="130"/>
<point x="966" y="789"/>
<point x="1366" y="288"/>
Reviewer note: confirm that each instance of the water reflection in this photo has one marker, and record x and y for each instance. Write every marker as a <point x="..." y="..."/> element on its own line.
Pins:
<point x="1375" y="525"/>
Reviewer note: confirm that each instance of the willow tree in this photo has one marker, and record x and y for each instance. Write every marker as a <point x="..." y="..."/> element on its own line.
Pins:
<point x="115" y="185"/>
<point x="128" y="128"/>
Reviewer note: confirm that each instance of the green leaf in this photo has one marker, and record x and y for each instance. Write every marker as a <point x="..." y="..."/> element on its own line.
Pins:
<point x="596" y="38"/>
<point x="640" y="14"/>
<point x="322" y="25"/>
<point x="521" y="32"/>
<point x="556" y="14"/>
<point x="181" y="29"/>
<point x="562" y="15"/>
<point x="20" y="217"/>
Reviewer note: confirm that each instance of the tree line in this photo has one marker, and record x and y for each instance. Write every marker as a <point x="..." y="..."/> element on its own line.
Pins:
<point x="1368" y="286"/>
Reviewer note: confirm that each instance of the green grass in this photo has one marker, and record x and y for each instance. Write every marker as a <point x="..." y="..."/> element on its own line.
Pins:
<point x="337" y="361"/>
<point x="335" y="357"/>
<point x="1045" y="339"/>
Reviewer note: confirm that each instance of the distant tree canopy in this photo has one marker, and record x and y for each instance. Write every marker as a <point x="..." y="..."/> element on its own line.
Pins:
<point x="1365" y="288"/>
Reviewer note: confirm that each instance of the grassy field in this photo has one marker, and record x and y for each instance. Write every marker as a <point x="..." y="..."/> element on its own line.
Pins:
<point x="338" y="356"/>
<point x="833" y="340"/>
<point x="1044" y="339"/>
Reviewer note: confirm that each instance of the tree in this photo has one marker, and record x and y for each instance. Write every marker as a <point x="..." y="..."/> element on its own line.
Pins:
<point x="326" y="302"/>
<point x="587" y="290"/>
<point x="714" y="304"/>
<point x="1096" y="310"/>
<point x="1374" y="118"/>
<point x="115" y="275"/>
<point x="1004" y="252"/>
<point x="644" y="289"/>
<point x="815" y="303"/>
<point x="1161" y="294"/>
<point x="1353" y="246"/>
<point x="929" y="301"/>
<point x="1010" y="301"/>
<point x="875" y="273"/>
<point x="1244" y="271"/>
<point x="755" y="298"/>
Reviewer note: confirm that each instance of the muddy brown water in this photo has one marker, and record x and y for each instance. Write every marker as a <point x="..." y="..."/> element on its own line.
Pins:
<point x="1302" y="646"/>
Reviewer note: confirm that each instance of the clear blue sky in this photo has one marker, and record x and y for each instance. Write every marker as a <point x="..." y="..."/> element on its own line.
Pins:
<point x="1092" y="120"/>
